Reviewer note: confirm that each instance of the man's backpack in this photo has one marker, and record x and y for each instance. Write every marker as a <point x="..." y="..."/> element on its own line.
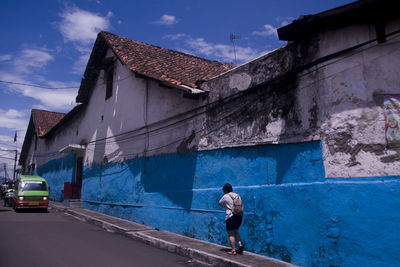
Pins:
<point x="237" y="205"/>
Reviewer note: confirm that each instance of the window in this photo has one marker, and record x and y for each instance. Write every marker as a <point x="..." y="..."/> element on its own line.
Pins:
<point x="35" y="142"/>
<point x="33" y="186"/>
<point x="109" y="75"/>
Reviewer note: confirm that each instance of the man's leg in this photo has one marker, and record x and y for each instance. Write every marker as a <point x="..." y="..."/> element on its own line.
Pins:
<point x="231" y="236"/>
<point x="237" y="236"/>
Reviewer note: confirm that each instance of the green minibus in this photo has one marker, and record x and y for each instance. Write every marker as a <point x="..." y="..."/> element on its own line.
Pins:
<point x="31" y="192"/>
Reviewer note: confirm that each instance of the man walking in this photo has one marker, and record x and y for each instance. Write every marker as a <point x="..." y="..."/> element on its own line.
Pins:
<point x="233" y="217"/>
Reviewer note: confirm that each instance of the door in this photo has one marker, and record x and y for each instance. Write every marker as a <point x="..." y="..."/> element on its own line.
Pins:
<point x="77" y="185"/>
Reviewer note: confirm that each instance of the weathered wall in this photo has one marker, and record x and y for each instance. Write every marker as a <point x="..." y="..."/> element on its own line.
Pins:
<point x="57" y="172"/>
<point x="291" y="211"/>
<point x="140" y="118"/>
<point x="275" y="99"/>
<point x="351" y="107"/>
<point x="323" y="191"/>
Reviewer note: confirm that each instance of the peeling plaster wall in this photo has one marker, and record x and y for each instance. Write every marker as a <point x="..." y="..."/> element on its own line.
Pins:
<point x="304" y="147"/>
<point x="352" y="89"/>
<point x="339" y="101"/>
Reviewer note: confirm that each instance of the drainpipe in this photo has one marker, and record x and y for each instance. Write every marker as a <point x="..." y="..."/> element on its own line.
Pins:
<point x="146" y="102"/>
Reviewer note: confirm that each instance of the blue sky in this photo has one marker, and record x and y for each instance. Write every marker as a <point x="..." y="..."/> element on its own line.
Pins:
<point x="48" y="43"/>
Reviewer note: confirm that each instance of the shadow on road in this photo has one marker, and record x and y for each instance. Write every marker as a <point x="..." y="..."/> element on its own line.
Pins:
<point x="4" y="210"/>
<point x="32" y="211"/>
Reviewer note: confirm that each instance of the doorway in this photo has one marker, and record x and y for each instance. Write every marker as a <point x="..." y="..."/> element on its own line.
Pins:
<point x="77" y="185"/>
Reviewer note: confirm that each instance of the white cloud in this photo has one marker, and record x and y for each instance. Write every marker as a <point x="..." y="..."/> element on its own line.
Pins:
<point x="175" y="37"/>
<point x="80" y="65"/>
<point x="5" y="57"/>
<point x="14" y="119"/>
<point x="224" y="52"/>
<point x="6" y="139"/>
<point x="269" y="30"/>
<point x="82" y="26"/>
<point x="285" y="20"/>
<point x="62" y="99"/>
<point x="30" y="59"/>
<point x="167" y="20"/>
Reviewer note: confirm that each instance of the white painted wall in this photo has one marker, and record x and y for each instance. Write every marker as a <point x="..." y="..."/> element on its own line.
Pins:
<point x="135" y="103"/>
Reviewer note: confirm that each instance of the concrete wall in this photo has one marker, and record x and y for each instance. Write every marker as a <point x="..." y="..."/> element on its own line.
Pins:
<point x="57" y="172"/>
<point x="141" y="110"/>
<point x="305" y="147"/>
<point x="340" y="101"/>
<point x="292" y="212"/>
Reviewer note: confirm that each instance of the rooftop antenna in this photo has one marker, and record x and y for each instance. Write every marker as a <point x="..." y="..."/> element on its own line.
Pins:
<point x="233" y="38"/>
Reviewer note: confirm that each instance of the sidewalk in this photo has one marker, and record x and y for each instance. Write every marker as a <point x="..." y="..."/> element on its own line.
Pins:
<point x="204" y="253"/>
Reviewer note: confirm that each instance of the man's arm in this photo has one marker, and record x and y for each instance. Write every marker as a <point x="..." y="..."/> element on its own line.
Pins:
<point x="221" y="201"/>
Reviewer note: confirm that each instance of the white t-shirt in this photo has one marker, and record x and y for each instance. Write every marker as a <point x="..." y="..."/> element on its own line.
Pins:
<point x="227" y="202"/>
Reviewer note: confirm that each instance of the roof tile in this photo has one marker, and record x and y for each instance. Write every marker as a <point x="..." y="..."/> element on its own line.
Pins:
<point x="163" y="64"/>
<point x="44" y="120"/>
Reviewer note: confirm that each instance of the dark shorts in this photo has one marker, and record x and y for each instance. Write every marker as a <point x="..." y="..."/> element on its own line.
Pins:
<point x="234" y="222"/>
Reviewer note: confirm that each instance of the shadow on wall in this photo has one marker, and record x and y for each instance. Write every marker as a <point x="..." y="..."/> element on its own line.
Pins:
<point x="57" y="172"/>
<point x="171" y="175"/>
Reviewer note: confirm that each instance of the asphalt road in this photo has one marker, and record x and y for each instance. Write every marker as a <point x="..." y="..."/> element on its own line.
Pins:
<point x="55" y="239"/>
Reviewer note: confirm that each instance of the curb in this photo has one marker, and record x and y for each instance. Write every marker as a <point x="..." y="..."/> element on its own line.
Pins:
<point x="200" y="258"/>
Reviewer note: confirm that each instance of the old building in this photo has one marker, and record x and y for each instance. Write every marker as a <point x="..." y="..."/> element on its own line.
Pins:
<point x="306" y="134"/>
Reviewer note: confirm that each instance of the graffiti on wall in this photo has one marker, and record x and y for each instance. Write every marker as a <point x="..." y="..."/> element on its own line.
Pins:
<point x="392" y="119"/>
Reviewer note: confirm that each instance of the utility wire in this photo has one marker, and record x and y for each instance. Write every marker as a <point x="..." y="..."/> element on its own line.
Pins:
<point x="7" y="158"/>
<point x="230" y="97"/>
<point x="5" y="144"/>
<point x="232" y="113"/>
<point x="40" y="86"/>
<point x="195" y="115"/>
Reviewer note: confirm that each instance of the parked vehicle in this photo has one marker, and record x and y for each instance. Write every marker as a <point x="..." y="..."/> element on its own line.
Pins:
<point x="9" y="197"/>
<point x="3" y="189"/>
<point x="31" y="192"/>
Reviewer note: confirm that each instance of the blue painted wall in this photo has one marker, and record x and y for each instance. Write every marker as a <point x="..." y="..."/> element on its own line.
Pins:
<point x="56" y="172"/>
<point x="292" y="212"/>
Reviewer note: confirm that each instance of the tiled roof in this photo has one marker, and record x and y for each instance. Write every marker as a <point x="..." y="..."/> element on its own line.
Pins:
<point x="163" y="64"/>
<point x="44" y="121"/>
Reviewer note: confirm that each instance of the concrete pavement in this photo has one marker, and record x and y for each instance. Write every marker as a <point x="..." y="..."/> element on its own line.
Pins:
<point x="201" y="252"/>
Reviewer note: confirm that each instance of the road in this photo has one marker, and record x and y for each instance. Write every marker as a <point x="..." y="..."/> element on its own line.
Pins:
<point x="55" y="239"/>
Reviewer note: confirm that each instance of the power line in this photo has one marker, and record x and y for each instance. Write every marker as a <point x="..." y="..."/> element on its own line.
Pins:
<point x="5" y="144"/>
<point x="214" y="105"/>
<point x="6" y="158"/>
<point x="7" y="150"/>
<point x="217" y="103"/>
<point x="40" y="86"/>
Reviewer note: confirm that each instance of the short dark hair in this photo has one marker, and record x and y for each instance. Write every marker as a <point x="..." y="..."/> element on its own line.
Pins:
<point x="227" y="188"/>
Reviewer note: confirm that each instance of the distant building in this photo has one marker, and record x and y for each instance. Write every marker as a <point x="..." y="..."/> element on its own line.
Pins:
<point x="306" y="134"/>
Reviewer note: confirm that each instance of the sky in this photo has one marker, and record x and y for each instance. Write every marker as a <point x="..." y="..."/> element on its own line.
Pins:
<point x="47" y="43"/>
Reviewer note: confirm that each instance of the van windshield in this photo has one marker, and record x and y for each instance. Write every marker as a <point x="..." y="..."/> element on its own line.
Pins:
<point x="34" y="186"/>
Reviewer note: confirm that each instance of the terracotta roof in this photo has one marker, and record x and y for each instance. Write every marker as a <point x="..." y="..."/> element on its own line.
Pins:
<point x="163" y="64"/>
<point x="44" y="121"/>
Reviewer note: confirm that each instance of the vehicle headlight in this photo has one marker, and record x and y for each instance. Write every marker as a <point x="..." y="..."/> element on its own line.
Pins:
<point x="21" y="198"/>
<point x="44" y="198"/>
